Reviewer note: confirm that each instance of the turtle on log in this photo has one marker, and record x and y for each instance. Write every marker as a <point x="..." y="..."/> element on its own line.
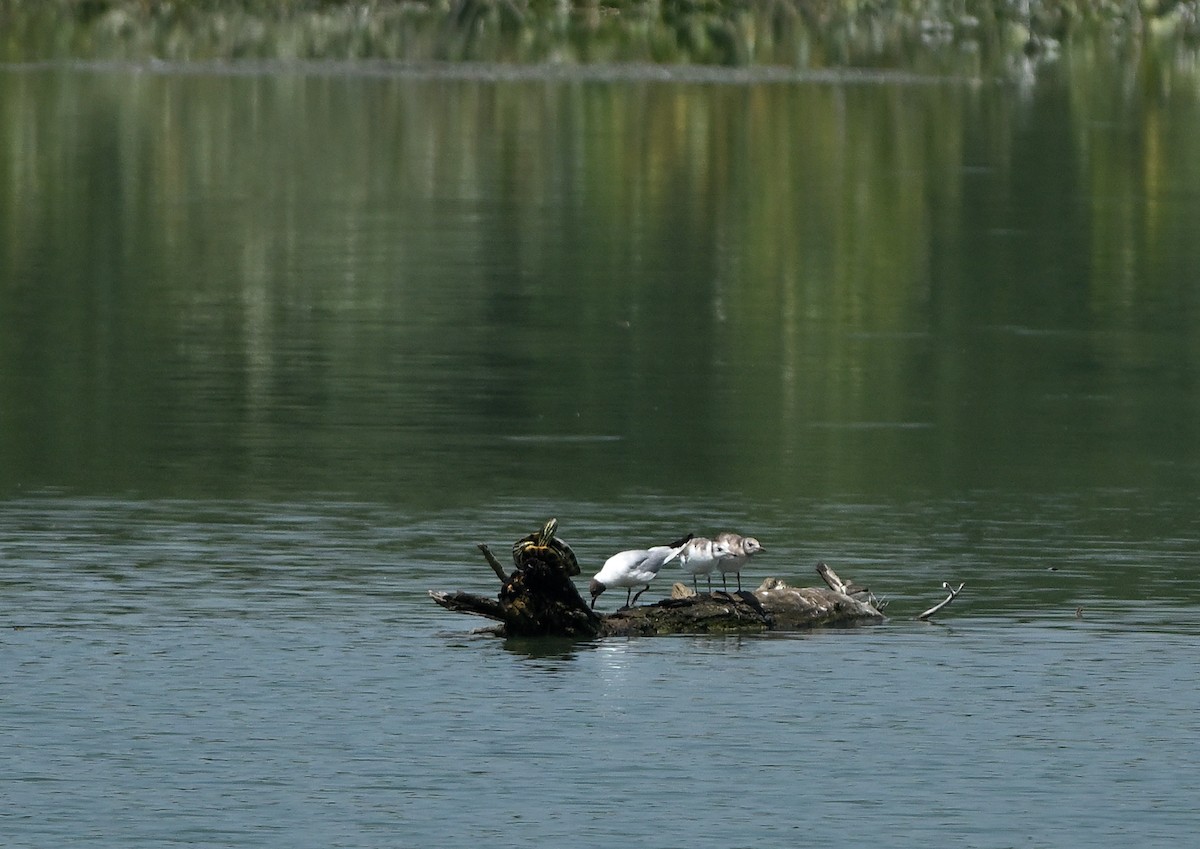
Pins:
<point x="538" y="598"/>
<point x="545" y="546"/>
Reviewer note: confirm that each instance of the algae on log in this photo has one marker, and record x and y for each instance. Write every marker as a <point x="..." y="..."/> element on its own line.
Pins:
<point x="539" y="599"/>
<point x="774" y="606"/>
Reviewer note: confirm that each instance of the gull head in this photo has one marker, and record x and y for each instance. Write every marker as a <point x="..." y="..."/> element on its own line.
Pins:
<point x="721" y="550"/>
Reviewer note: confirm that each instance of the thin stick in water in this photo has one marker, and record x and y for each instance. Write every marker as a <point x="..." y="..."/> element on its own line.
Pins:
<point x="953" y="595"/>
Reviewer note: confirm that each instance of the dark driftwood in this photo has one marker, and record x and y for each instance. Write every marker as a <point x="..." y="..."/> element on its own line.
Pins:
<point x="539" y="599"/>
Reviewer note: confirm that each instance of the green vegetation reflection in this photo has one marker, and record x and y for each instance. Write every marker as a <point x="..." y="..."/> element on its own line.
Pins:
<point x="884" y="285"/>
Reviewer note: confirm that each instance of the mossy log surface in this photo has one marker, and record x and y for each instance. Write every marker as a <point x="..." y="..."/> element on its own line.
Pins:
<point x="774" y="606"/>
<point x="538" y="598"/>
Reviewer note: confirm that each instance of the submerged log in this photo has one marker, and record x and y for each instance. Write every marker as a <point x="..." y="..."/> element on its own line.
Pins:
<point x="539" y="599"/>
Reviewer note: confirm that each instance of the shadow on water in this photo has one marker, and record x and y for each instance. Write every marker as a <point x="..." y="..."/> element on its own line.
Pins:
<point x="547" y="648"/>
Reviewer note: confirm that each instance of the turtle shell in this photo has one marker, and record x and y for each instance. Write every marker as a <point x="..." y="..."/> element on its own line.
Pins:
<point x="544" y="545"/>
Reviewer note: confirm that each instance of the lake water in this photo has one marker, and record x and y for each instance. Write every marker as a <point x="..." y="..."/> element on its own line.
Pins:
<point x="280" y="345"/>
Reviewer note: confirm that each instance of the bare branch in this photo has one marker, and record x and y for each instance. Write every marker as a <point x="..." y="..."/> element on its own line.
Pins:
<point x="830" y="577"/>
<point x="493" y="562"/>
<point x="466" y="603"/>
<point x="848" y="587"/>
<point x="953" y="595"/>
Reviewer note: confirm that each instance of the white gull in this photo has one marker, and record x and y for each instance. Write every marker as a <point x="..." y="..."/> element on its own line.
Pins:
<point x="742" y="548"/>
<point x="634" y="568"/>
<point x="701" y="556"/>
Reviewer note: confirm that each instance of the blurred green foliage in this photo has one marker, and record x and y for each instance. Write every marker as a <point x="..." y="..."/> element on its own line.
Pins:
<point x="955" y="36"/>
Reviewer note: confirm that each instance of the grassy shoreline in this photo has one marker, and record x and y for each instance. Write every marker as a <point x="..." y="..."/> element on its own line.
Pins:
<point x="928" y="36"/>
